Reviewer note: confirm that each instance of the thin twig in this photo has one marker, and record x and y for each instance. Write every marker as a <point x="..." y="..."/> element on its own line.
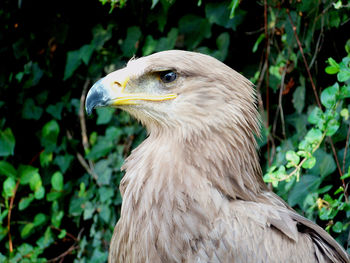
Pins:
<point x="280" y="102"/>
<point x="68" y="234"/>
<point x="87" y="167"/>
<point x="9" y="216"/>
<point x="68" y="251"/>
<point x="346" y="148"/>
<point x="304" y="59"/>
<point x="317" y="49"/>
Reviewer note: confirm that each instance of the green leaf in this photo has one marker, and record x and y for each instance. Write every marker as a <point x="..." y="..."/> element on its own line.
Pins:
<point x="345" y="92"/>
<point x="86" y="53"/>
<point x="218" y="13"/>
<point x="131" y="43"/>
<point x="313" y="136"/>
<point x="105" y="213"/>
<point x="88" y="210"/>
<point x="39" y="219"/>
<point x="9" y="186"/>
<point x="343" y="75"/>
<point x="104" y="115"/>
<point x="307" y="184"/>
<point x="333" y="67"/>
<point x="345" y="114"/>
<point x="62" y="234"/>
<point x="309" y="163"/>
<point x="45" y="158"/>
<point x="195" y="29"/>
<point x="325" y="164"/>
<point x="101" y="36"/>
<point x="149" y="46"/>
<point x="39" y="193"/>
<point x="35" y="182"/>
<point x="64" y="161"/>
<point x="7" y="142"/>
<point x="166" y="43"/>
<point x="25" y="202"/>
<point x="49" y="135"/>
<point x="329" y="96"/>
<point x="103" y="171"/>
<point x="57" y="218"/>
<point x="299" y="98"/>
<point x="257" y="42"/>
<point x="26" y="230"/>
<point x="7" y="169"/>
<point x="73" y="62"/>
<point x="31" y="111"/>
<point x="233" y="6"/>
<point x="26" y="173"/>
<point x="57" y="181"/>
<point x="337" y="227"/>
<point x="332" y="127"/>
<point x="52" y="196"/>
<point x="292" y="157"/>
<point x="105" y="193"/>
<point x="317" y="117"/>
<point x="55" y="110"/>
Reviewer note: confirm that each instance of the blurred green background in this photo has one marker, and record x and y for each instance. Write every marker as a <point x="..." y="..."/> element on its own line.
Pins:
<point x="60" y="170"/>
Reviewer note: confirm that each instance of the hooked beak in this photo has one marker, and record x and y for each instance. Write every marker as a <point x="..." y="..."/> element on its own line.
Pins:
<point x="110" y="91"/>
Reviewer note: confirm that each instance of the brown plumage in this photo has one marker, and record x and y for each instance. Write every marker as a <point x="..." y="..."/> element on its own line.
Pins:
<point x="193" y="190"/>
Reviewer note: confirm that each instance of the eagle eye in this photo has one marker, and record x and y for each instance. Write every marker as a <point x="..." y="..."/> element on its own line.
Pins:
<point x="167" y="76"/>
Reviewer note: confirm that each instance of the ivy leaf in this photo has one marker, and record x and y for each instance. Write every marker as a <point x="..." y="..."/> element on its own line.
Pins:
<point x="31" y="111"/>
<point x="73" y="62"/>
<point x="49" y="134"/>
<point x="55" y="110"/>
<point x="104" y="115"/>
<point x="195" y="29"/>
<point x="7" y="142"/>
<point x="130" y="44"/>
<point x="64" y="161"/>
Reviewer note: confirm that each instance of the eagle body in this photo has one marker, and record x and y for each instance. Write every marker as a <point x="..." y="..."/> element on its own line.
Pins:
<point x="193" y="190"/>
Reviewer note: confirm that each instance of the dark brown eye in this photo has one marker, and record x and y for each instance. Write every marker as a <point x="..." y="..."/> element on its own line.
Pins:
<point x="167" y="76"/>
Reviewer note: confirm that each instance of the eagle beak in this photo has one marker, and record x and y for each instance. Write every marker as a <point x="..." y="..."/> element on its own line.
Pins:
<point x="110" y="91"/>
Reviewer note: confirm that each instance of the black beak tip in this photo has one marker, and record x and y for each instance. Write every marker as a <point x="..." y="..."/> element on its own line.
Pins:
<point x="96" y="97"/>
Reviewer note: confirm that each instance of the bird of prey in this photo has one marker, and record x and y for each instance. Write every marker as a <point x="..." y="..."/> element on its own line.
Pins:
<point x="193" y="190"/>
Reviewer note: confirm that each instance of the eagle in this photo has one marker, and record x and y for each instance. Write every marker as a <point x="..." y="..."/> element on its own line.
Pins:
<point x="193" y="189"/>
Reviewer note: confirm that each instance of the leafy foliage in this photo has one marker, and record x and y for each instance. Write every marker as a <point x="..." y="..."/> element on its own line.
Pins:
<point x="60" y="170"/>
